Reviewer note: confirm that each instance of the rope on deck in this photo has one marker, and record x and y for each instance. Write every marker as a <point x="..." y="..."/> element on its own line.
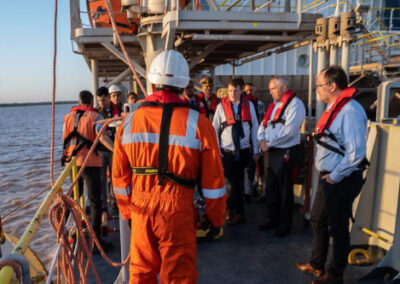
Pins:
<point x="64" y="205"/>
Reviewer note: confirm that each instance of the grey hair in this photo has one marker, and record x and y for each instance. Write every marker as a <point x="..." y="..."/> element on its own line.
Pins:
<point x="281" y="81"/>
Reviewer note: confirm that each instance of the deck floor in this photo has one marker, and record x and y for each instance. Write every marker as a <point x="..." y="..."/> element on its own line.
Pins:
<point x="246" y="255"/>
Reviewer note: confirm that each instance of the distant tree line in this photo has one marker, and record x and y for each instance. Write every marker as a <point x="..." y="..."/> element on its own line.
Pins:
<point x="34" y="104"/>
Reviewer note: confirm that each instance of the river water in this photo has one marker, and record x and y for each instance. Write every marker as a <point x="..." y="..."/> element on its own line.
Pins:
<point x="25" y="168"/>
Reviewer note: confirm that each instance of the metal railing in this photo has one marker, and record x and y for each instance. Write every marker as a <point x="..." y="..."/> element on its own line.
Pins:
<point x="7" y="272"/>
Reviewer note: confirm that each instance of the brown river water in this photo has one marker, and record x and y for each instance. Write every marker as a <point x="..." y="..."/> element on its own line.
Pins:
<point x="25" y="168"/>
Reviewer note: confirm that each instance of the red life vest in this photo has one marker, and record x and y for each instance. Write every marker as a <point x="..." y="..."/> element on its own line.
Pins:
<point x="251" y="98"/>
<point x="285" y="101"/>
<point x="82" y="108"/>
<point x="114" y="110"/>
<point x="327" y="117"/>
<point x="200" y="107"/>
<point x="164" y="97"/>
<point x="214" y="103"/>
<point x="230" y="116"/>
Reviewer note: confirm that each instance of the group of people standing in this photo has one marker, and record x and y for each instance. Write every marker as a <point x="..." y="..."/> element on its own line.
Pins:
<point x="177" y="141"/>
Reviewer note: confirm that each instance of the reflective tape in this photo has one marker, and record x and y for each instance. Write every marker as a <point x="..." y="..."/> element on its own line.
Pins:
<point x="122" y="191"/>
<point x="214" y="193"/>
<point x="189" y="140"/>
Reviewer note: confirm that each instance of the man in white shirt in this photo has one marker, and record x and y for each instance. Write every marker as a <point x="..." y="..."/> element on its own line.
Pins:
<point x="340" y="159"/>
<point x="279" y="137"/>
<point x="235" y="122"/>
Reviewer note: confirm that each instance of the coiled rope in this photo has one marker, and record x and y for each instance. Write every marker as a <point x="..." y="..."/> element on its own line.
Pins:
<point x="63" y="205"/>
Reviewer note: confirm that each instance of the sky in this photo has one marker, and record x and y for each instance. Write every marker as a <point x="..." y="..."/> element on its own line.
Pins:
<point x="26" y="53"/>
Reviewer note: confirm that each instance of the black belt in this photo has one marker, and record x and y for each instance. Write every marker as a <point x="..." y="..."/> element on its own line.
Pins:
<point x="179" y="180"/>
<point x="322" y="173"/>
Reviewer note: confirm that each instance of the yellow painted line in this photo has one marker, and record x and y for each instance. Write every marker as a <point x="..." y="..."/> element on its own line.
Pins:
<point x="312" y="3"/>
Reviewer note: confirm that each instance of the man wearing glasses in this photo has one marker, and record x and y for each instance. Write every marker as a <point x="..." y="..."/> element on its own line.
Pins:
<point x="340" y="159"/>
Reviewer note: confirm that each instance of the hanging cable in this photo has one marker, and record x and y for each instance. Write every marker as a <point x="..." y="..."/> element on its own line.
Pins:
<point x="114" y="26"/>
<point x="53" y="101"/>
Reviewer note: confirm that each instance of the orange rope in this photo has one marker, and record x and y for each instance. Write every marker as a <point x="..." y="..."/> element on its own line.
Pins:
<point x="57" y="217"/>
<point x="114" y="25"/>
<point x="54" y="95"/>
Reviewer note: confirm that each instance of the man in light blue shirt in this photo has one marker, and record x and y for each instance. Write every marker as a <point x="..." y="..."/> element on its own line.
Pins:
<point x="279" y="137"/>
<point x="340" y="159"/>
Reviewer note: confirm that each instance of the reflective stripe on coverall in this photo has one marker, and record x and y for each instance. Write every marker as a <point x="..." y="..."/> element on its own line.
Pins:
<point x="162" y="217"/>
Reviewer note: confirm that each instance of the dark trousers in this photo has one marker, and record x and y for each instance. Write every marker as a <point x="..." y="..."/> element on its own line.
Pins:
<point x="279" y="185"/>
<point x="251" y="172"/>
<point x="330" y="216"/>
<point x="106" y="161"/>
<point x="91" y="177"/>
<point x="234" y="172"/>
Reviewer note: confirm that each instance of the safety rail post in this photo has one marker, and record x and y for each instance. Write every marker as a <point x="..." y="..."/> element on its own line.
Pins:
<point x="7" y="272"/>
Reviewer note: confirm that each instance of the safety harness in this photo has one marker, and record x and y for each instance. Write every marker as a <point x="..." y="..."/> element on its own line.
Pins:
<point x="285" y="101"/>
<point x="327" y="117"/>
<point x="161" y="171"/>
<point x="78" y="139"/>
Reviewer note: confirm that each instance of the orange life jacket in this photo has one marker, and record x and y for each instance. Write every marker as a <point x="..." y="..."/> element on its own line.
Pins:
<point x="157" y="159"/>
<point x="79" y="134"/>
<point x="284" y="102"/>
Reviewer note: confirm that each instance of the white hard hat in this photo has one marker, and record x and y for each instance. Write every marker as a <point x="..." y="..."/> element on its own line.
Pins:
<point x="169" y="68"/>
<point x="114" y="89"/>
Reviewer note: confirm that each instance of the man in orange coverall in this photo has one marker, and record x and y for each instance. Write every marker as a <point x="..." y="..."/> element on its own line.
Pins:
<point x="162" y="151"/>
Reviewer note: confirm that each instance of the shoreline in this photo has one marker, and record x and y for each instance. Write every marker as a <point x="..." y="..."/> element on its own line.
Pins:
<point x="33" y="104"/>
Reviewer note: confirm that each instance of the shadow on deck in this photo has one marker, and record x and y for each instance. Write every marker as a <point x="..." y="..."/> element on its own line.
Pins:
<point x="246" y="255"/>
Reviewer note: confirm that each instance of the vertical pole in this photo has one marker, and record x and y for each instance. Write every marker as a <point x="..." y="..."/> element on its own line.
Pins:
<point x="252" y="5"/>
<point x="321" y="65"/>
<point x="95" y="79"/>
<point x="333" y="55"/>
<point x="318" y="112"/>
<point x="346" y="58"/>
<point x="125" y="234"/>
<point x="310" y="79"/>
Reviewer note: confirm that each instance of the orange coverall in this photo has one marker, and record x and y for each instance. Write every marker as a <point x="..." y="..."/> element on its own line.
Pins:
<point x="162" y="217"/>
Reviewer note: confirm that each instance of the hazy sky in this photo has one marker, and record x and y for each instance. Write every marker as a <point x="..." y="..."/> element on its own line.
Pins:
<point x="26" y="53"/>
